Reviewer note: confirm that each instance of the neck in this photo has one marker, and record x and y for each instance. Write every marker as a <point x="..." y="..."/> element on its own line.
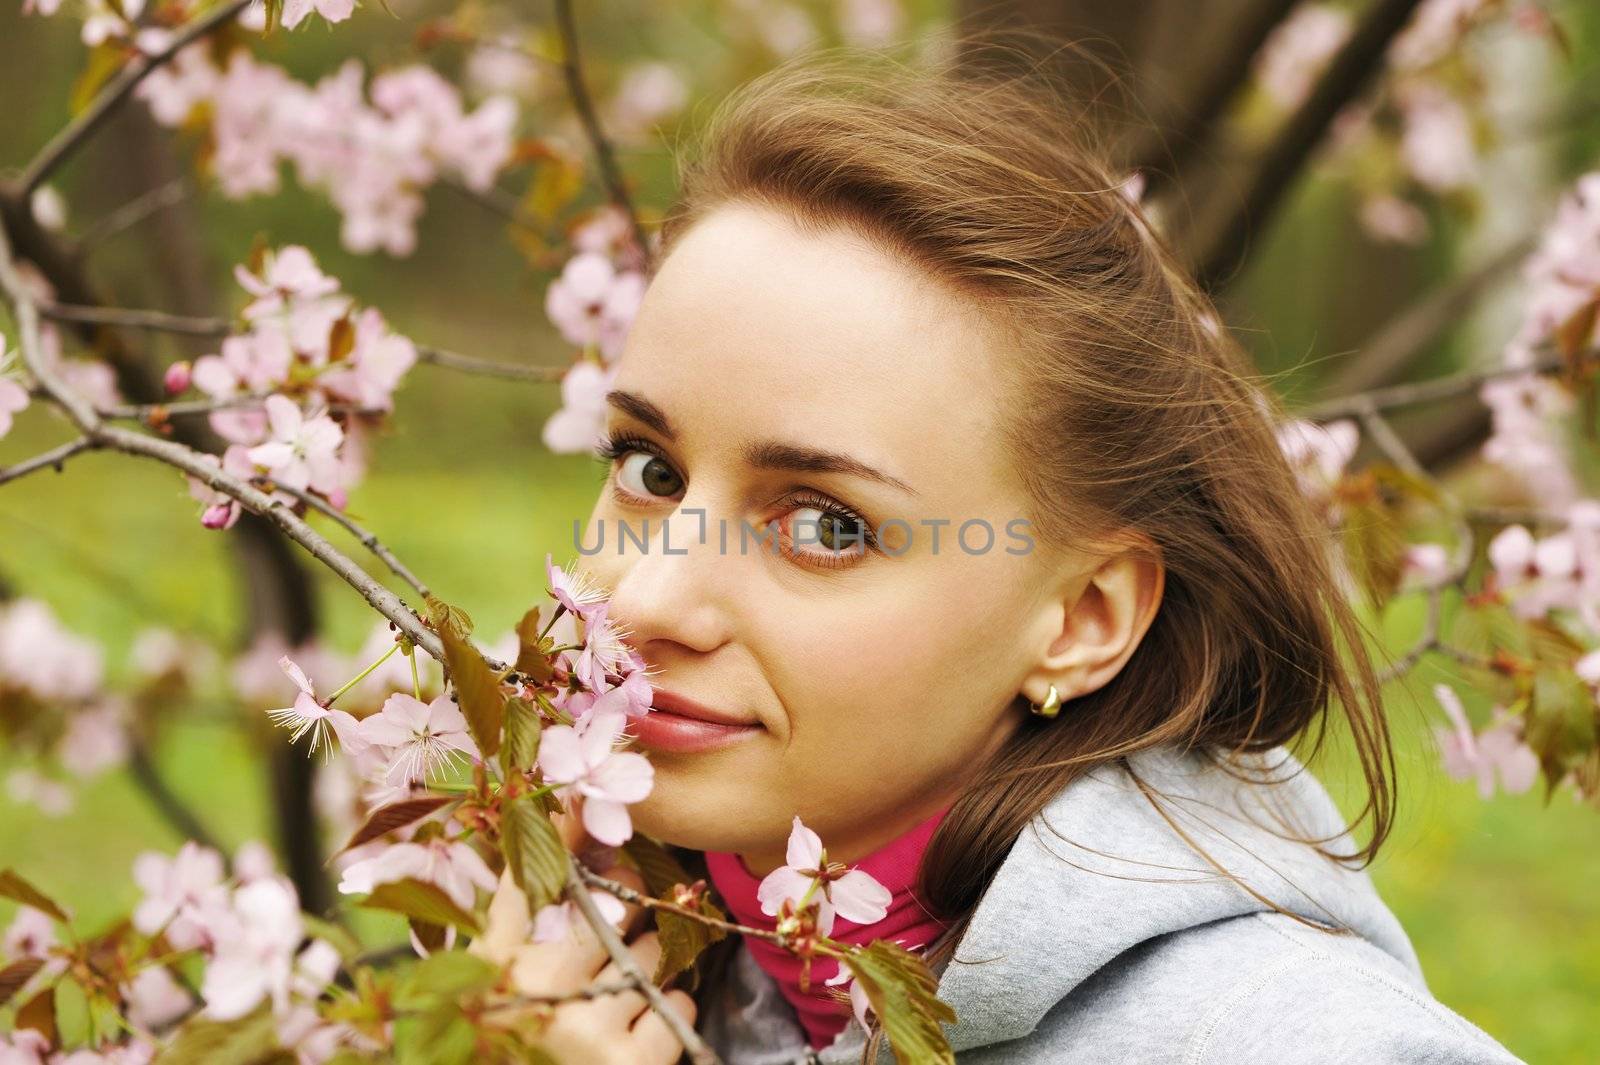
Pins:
<point x="854" y="847"/>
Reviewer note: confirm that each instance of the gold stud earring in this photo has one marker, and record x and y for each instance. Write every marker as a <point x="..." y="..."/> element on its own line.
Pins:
<point x="1051" y="705"/>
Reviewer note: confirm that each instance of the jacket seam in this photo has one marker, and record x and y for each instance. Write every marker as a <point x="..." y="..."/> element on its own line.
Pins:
<point x="1312" y="954"/>
<point x="1226" y="1009"/>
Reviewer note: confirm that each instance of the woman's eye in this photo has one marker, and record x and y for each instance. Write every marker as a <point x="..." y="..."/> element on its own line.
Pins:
<point x="648" y="476"/>
<point x="828" y="534"/>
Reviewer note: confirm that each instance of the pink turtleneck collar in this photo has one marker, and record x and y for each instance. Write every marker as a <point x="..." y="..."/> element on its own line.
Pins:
<point x="894" y="865"/>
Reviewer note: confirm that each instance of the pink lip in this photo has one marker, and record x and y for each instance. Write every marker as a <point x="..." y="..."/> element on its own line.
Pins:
<point x="677" y="723"/>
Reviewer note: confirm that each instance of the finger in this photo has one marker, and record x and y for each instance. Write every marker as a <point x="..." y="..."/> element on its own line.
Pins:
<point x="569" y="824"/>
<point x="570" y="961"/>
<point x="653" y="1041"/>
<point x="616" y="1012"/>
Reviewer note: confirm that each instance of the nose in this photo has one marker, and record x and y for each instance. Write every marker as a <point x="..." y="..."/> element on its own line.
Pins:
<point x="673" y="589"/>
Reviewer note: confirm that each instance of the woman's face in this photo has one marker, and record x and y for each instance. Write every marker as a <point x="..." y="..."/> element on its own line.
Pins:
<point x="777" y="376"/>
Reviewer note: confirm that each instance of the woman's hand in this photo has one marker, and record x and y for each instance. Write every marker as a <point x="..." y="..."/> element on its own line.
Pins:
<point x="610" y="1029"/>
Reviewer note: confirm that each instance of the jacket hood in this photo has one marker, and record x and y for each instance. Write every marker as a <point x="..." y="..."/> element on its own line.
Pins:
<point x="1106" y="866"/>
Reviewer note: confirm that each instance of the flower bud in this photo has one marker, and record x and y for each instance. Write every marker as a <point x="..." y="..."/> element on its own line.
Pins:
<point x="177" y="378"/>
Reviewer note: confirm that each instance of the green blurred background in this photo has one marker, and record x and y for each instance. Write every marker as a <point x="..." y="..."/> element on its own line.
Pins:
<point x="1499" y="896"/>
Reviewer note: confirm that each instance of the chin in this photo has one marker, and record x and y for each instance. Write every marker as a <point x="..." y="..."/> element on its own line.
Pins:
<point x="687" y="812"/>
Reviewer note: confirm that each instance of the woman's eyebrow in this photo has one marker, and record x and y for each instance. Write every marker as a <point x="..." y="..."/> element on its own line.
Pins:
<point x="764" y="455"/>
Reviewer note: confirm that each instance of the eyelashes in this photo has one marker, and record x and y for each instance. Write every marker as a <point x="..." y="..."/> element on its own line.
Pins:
<point x="615" y="446"/>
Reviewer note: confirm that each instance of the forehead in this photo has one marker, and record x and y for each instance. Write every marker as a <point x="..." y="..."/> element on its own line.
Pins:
<point x="755" y="329"/>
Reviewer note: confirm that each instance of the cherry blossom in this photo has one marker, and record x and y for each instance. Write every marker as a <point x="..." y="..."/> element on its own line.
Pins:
<point x="307" y="714"/>
<point x="558" y="919"/>
<point x="1318" y="455"/>
<point x="650" y="92"/>
<point x="808" y="879"/>
<point x="13" y="399"/>
<point x="419" y="737"/>
<point x="155" y="998"/>
<point x="606" y="779"/>
<point x="451" y="865"/>
<point x="96" y="740"/>
<point x="1498" y="751"/>
<point x="40" y="656"/>
<point x="254" y="957"/>
<point x="860" y="1005"/>
<point x="1297" y="50"/>
<point x="52" y="797"/>
<point x="580" y="423"/>
<point x="301" y="452"/>
<point x="31" y="934"/>
<point x="577" y="591"/>
<point x="295" y="11"/>
<point x="183" y="894"/>
<point x="591" y="303"/>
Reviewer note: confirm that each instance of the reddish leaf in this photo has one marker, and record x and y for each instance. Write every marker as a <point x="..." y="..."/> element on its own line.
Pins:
<point x="12" y="886"/>
<point x="39" y="1013"/>
<point x="397" y="815"/>
<point x="15" y="975"/>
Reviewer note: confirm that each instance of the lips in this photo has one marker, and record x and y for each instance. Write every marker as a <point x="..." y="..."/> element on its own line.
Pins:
<point x="678" y="723"/>
<point x="683" y="706"/>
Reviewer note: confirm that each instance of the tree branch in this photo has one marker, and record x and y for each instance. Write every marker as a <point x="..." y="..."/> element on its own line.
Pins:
<point x="172" y="809"/>
<point x="193" y="463"/>
<point x="1438" y="388"/>
<point x="78" y="130"/>
<point x="132" y="213"/>
<point x="1349" y="73"/>
<point x="1191" y="128"/>
<point x="188" y="325"/>
<point x="578" y="892"/>
<point x="368" y="540"/>
<point x="610" y="173"/>
<point x="54" y="459"/>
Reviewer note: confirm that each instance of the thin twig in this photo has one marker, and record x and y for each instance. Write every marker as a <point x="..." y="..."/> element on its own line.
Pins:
<point x="628" y="965"/>
<point x="1438" y="388"/>
<point x="133" y="212"/>
<point x="172" y="809"/>
<point x="605" y="158"/>
<point x="54" y="459"/>
<point x="157" y="321"/>
<point x="639" y="898"/>
<point x="1394" y="448"/>
<point x="188" y="325"/>
<point x="368" y="540"/>
<point x="194" y="463"/>
<point x="489" y="368"/>
<point x="116" y="90"/>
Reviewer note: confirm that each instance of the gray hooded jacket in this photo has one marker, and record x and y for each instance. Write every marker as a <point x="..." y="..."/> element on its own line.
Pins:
<point x="1105" y="937"/>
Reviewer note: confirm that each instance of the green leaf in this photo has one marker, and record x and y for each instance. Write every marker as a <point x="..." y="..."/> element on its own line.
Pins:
<point x="683" y="938"/>
<point x="337" y="935"/>
<point x="661" y="871"/>
<point x="12" y="886"/>
<point x="397" y="815"/>
<point x="478" y="691"/>
<point x="533" y="653"/>
<point x="105" y="60"/>
<point x="1375" y="548"/>
<point x="444" y="977"/>
<point x="534" y="852"/>
<point x="425" y="902"/>
<point x="15" y="975"/>
<point x="444" y="616"/>
<point x="904" y="995"/>
<point x="248" y="1041"/>
<point x="438" y="1037"/>
<point x="522" y="736"/>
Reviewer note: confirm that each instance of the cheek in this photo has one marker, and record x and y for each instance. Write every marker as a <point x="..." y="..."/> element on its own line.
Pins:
<point x="913" y="666"/>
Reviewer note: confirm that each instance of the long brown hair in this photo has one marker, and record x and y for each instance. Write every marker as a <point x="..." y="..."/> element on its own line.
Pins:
<point x="1132" y="408"/>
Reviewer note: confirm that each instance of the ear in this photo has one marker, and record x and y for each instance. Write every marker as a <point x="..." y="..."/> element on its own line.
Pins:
<point x="1098" y="618"/>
